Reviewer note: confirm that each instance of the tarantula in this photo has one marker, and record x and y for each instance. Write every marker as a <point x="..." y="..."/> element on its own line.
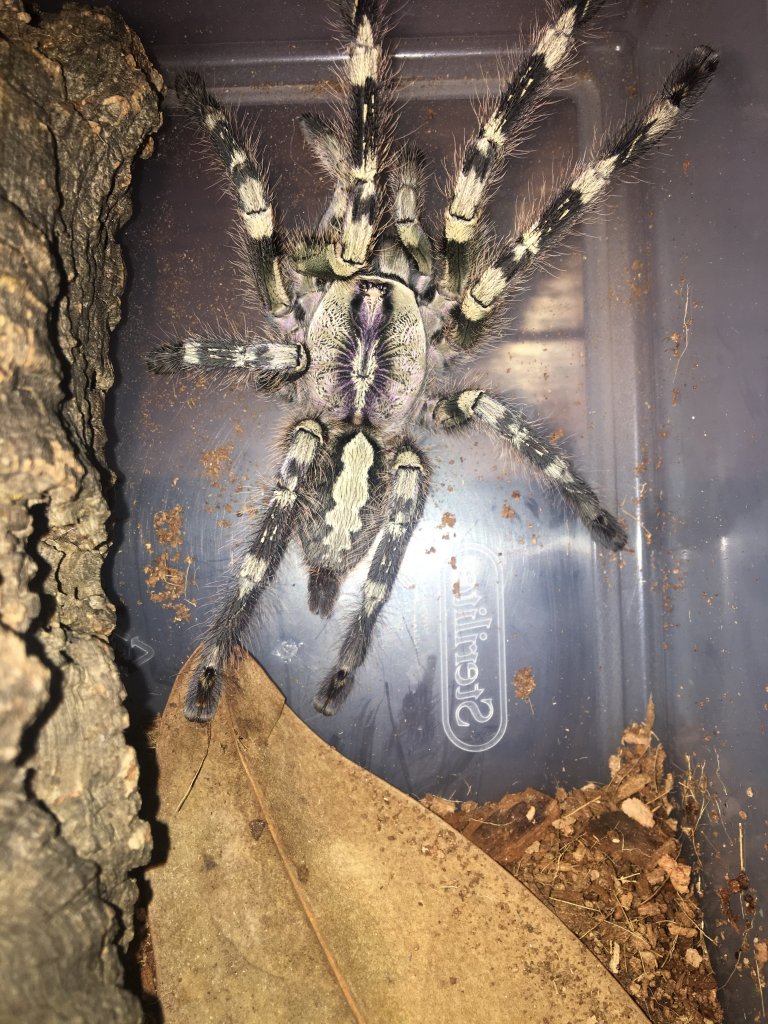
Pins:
<point x="368" y="318"/>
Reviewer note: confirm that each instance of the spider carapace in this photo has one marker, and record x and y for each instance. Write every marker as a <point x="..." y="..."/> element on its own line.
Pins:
<point x="369" y="319"/>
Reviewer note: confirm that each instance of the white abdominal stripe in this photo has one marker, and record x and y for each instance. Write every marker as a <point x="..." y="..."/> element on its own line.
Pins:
<point x="588" y="186"/>
<point x="509" y="425"/>
<point x="350" y="493"/>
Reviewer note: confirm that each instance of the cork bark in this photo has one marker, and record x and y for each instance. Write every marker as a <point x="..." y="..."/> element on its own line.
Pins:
<point x="78" y="102"/>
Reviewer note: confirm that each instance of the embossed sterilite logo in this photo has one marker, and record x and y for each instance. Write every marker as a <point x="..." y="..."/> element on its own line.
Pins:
<point x="473" y="671"/>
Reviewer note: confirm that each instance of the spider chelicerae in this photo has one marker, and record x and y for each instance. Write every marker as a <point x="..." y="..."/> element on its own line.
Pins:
<point x="368" y="319"/>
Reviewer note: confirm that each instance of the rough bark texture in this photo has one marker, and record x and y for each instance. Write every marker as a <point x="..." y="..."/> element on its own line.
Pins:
<point x="78" y="101"/>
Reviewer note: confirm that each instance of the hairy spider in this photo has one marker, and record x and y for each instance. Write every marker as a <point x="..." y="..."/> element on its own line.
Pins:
<point x="368" y="319"/>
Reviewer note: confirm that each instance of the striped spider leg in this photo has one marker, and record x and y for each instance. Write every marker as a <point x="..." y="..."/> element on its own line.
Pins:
<point x="491" y="281"/>
<point x="502" y="420"/>
<point x="265" y="365"/>
<point x="365" y="72"/>
<point x="503" y="128"/>
<point x="261" y="238"/>
<point x="256" y="568"/>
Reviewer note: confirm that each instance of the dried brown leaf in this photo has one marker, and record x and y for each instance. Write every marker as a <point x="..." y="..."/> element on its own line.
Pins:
<point x="298" y="887"/>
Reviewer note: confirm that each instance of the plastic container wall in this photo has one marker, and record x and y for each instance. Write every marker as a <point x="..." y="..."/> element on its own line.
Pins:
<point x="645" y="350"/>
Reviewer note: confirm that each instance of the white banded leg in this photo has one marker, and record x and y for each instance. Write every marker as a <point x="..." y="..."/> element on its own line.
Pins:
<point x="407" y="184"/>
<point x="363" y="70"/>
<point x="407" y="493"/>
<point x="508" y="424"/>
<point x="261" y="238"/>
<point x="256" y="569"/>
<point x="590" y="184"/>
<point x="549" y="55"/>
<point x="267" y="365"/>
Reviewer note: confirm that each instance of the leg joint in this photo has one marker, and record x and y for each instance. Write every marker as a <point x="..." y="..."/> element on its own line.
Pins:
<point x="458" y="409"/>
<point x="312" y="427"/>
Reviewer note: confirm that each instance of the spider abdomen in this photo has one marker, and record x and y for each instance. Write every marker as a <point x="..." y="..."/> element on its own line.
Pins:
<point x="343" y="511"/>
<point x="368" y="352"/>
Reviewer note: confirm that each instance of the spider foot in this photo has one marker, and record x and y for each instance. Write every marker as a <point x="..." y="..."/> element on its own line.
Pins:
<point x="333" y="692"/>
<point x="608" y="531"/>
<point x="323" y="591"/>
<point x="168" y="359"/>
<point x="203" y="696"/>
<point x="191" y="91"/>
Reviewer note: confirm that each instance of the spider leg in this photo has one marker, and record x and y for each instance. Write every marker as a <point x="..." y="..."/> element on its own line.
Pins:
<point x="407" y="183"/>
<point x="490" y="284"/>
<point x="510" y="120"/>
<point x="364" y="70"/>
<point x="406" y="497"/>
<point x="268" y="365"/>
<point x="330" y="153"/>
<point x="508" y="424"/>
<point x="256" y="569"/>
<point x="262" y="240"/>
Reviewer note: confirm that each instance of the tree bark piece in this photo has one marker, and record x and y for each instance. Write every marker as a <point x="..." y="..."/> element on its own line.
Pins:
<point x="78" y="101"/>
<point x="297" y="886"/>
